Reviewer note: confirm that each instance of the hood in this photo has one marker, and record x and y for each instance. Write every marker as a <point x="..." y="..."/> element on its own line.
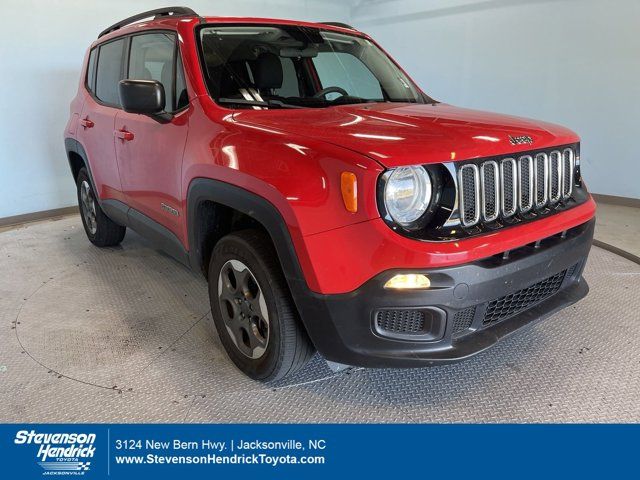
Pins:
<point x="396" y="134"/>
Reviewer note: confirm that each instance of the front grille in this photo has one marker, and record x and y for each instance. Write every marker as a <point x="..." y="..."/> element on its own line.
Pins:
<point x="521" y="300"/>
<point x="406" y="322"/>
<point x="502" y="188"/>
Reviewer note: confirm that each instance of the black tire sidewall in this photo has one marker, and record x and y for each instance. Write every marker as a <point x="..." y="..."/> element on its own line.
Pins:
<point x="83" y="176"/>
<point x="234" y="248"/>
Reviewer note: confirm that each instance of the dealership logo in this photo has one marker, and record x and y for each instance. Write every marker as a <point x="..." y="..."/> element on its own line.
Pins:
<point x="60" y="453"/>
<point x="520" y="140"/>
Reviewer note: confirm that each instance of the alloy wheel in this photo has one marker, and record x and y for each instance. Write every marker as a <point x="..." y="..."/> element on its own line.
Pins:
<point x="88" y="205"/>
<point x="243" y="309"/>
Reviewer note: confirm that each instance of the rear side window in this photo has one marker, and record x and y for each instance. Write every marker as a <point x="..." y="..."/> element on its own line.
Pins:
<point x="91" y="70"/>
<point x="152" y="58"/>
<point x="109" y="72"/>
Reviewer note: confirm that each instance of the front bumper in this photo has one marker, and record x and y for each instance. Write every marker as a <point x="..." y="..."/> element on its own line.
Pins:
<point x="467" y="309"/>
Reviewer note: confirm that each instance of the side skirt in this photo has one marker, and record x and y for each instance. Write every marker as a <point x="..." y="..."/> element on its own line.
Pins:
<point x="159" y="235"/>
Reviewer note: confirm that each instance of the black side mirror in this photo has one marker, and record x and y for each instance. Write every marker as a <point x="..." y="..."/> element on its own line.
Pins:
<point x="145" y="97"/>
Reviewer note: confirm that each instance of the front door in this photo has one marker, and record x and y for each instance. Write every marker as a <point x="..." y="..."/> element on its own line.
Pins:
<point x="149" y="152"/>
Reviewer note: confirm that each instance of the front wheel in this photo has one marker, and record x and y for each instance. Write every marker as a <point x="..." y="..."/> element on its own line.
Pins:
<point x="253" y="310"/>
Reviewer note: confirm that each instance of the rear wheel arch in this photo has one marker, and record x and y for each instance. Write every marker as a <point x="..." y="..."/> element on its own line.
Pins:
<point x="77" y="157"/>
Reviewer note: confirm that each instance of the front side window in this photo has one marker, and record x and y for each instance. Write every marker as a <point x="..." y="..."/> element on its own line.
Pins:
<point x="152" y="58"/>
<point x="291" y="66"/>
<point x="182" y="98"/>
<point x="109" y="71"/>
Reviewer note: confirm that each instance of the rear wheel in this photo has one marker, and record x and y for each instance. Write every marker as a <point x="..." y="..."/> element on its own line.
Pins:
<point x="253" y="310"/>
<point x="100" y="229"/>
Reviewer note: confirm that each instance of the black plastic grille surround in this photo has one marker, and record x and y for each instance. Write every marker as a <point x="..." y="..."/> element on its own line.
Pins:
<point x="521" y="300"/>
<point x="406" y="322"/>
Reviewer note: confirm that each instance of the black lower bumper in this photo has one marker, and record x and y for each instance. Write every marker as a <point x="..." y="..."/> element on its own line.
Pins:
<point x="467" y="309"/>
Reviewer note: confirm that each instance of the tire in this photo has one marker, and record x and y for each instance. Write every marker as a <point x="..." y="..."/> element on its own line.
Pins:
<point x="100" y="229"/>
<point x="245" y="279"/>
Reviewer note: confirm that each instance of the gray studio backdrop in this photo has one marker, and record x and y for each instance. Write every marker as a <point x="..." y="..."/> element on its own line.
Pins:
<point x="574" y="62"/>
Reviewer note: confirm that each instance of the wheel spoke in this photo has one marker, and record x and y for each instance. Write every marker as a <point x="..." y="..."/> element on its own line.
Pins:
<point x="243" y="309"/>
<point x="243" y="279"/>
<point x="88" y="207"/>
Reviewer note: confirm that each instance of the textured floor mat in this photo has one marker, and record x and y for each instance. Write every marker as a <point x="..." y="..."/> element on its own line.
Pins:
<point x="124" y="335"/>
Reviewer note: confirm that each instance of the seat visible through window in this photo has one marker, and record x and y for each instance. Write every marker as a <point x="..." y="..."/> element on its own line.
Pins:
<point x="152" y="58"/>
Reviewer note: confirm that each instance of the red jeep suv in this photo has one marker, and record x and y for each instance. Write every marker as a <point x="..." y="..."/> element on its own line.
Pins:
<point x="329" y="202"/>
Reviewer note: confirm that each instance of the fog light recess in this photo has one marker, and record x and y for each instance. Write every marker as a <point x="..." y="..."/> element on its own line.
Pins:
<point x="408" y="281"/>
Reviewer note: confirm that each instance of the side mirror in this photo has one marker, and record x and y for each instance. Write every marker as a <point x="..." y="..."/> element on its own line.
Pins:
<point x="145" y="97"/>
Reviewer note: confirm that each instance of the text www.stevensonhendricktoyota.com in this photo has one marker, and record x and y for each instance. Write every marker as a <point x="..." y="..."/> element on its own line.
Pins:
<point x="233" y="452"/>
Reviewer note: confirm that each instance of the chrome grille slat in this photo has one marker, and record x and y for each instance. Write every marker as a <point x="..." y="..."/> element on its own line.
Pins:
<point x="490" y="190"/>
<point x="469" y="188"/>
<point x="525" y="176"/>
<point x="568" y="165"/>
<point x="555" y="177"/>
<point x="493" y="189"/>
<point x="509" y="187"/>
<point x="541" y="168"/>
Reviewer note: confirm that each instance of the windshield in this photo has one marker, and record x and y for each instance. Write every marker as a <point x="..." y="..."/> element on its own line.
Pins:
<point x="258" y="66"/>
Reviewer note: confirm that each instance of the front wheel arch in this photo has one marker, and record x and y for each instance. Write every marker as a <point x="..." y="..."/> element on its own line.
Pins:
<point x="227" y="199"/>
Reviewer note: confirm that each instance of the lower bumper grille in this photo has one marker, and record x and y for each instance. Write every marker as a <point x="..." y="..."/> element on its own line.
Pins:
<point x="407" y="322"/>
<point x="463" y="319"/>
<point x="521" y="300"/>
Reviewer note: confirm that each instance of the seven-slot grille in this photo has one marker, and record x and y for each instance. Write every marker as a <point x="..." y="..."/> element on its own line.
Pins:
<point x="503" y="188"/>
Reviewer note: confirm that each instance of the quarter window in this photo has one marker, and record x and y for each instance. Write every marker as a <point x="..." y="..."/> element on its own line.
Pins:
<point x="91" y="70"/>
<point x="109" y="72"/>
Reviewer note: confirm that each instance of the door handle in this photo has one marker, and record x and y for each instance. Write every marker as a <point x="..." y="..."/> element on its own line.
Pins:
<point x="124" y="135"/>
<point x="86" y="123"/>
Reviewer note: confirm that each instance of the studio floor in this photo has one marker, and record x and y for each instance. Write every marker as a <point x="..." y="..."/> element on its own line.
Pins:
<point x="124" y="335"/>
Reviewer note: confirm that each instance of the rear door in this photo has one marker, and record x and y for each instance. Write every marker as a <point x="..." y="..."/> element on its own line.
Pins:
<point x="150" y="159"/>
<point x="97" y="120"/>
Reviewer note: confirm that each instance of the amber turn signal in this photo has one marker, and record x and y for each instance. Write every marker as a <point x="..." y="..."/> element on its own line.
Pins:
<point x="349" y="187"/>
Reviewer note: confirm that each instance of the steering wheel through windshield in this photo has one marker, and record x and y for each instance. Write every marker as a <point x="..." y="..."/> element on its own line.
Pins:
<point x="325" y="91"/>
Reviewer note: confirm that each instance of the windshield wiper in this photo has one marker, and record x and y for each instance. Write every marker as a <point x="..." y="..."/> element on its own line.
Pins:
<point x="257" y="103"/>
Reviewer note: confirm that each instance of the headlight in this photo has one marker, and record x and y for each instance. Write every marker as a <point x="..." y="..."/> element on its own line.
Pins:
<point x="407" y="195"/>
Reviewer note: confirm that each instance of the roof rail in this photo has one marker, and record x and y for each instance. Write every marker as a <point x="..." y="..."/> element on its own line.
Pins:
<point x="338" y="24"/>
<point x="157" y="13"/>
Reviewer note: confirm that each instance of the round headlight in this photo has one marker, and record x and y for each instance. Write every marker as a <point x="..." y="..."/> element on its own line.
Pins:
<point x="407" y="194"/>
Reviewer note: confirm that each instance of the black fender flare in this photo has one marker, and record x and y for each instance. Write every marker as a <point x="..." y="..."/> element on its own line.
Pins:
<point x="310" y="305"/>
<point x="206" y="189"/>
<point x="71" y="145"/>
